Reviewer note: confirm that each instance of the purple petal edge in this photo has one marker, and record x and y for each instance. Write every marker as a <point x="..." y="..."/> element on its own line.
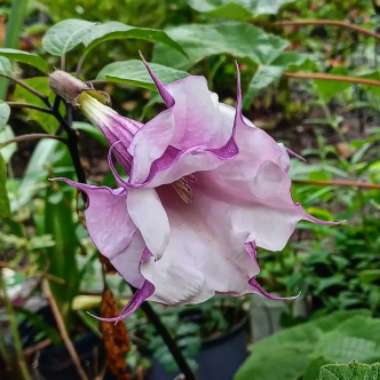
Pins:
<point x="137" y="299"/>
<point x="260" y="290"/>
<point x="164" y="93"/>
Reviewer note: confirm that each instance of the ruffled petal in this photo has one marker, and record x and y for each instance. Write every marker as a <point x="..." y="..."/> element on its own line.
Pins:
<point x="191" y="135"/>
<point x="149" y="216"/>
<point x="112" y="230"/>
<point x="202" y="258"/>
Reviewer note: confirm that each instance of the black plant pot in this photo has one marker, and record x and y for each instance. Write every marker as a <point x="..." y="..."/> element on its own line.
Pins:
<point x="218" y="359"/>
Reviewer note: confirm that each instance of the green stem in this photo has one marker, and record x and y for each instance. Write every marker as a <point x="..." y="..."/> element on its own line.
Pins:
<point x="14" y="332"/>
<point x="13" y="32"/>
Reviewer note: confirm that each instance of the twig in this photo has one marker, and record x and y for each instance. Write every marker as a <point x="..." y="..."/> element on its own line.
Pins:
<point x="62" y="329"/>
<point x="25" y="85"/>
<point x="29" y="351"/>
<point x="333" y="77"/>
<point x="14" y="332"/>
<point x="339" y="182"/>
<point x="27" y="105"/>
<point x="32" y="136"/>
<point x="325" y="22"/>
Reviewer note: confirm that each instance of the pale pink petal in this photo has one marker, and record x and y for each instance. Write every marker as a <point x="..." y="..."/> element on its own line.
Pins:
<point x="149" y="216"/>
<point x="107" y="220"/>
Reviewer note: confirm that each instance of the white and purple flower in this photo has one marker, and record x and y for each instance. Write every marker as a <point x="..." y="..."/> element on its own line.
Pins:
<point x="205" y="188"/>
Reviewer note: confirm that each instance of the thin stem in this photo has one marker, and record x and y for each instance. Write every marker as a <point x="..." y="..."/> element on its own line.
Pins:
<point x="27" y="105"/>
<point x="25" y="85"/>
<point x="169" y="341"/>
<point x="339" y="183"/>
<point x="72" y="141"/>
<point x="32" y="136"/>
<point x="333" y="77"/>
<point x="327" y="22"/>
<point x="62" y="329"/>
<point x="14" y="331"/>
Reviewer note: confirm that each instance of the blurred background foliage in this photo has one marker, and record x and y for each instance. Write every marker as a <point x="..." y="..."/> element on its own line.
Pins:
<point x="334" y="125"/>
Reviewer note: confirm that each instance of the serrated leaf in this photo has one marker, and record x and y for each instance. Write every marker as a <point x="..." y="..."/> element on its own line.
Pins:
<point x="4" y="201"/>
<point x="65" y="36"/>
<point x="25" y="57"/>
<point x="116" y="30"/>
<point x="238" y="9"/>
<point x="5" y="66"/>
<point x="352" y="371"/>
<point x="236" y="38"/>
<point x="133" y="72"/>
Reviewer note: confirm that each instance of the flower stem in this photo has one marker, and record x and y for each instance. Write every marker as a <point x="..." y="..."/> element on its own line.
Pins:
<point x="25" y="85"/>
<point x="333" y="77"/>
<point x="327" y="22"/>
<point x="171" y="344"/>
<point x="14" y="331"/>
<point x="340" y="183"/>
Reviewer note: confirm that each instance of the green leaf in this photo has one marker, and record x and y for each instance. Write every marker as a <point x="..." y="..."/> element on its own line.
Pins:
<point x="46" y="121"/>
<point x="65" y="36"/>
<point x="5" y="112"/>
<point x="91" y="131"/>
<point x="116" y="30"/>
<point x="22" y="56"/>
<point x="203" y="40"/>
<point x="290" y="363"/>
<point x="327" y="89"/>
<point x="352" y="371"/>
<point x="238" y="9"/>
<point x="59" y="223"/>
<point x="6" y="134"/>
<point x="4" y="201"/>
<point x="35" y="175"/>
<point x="266" y="75"/>
<point x="263" y="77"/>
<point x="5" y="66"/>
<point x="133" y="72"/>
<point x="287" y="354"/>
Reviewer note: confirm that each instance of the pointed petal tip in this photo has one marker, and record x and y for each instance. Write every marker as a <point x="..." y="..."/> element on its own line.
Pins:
<point x="269" y="296"/>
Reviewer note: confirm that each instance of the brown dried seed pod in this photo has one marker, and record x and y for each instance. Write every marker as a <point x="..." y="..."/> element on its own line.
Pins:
<point x="115" y="338"/>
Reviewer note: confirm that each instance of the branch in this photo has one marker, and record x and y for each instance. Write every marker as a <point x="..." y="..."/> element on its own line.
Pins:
<point x="333" y="77"/>
<point x="326" y="22"/>
<point x="25" y="85"/>
<point x="62" y="329"/>
<point x="32" y="136"/>
<point x="340" y="183"/>
<point x="27" y="105"/>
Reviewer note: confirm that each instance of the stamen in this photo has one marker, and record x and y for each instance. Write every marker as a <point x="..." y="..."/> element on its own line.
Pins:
<point x="183" y="188"/>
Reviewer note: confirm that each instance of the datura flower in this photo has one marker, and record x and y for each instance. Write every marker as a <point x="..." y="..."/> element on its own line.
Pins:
<point x="205" y="188"/>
